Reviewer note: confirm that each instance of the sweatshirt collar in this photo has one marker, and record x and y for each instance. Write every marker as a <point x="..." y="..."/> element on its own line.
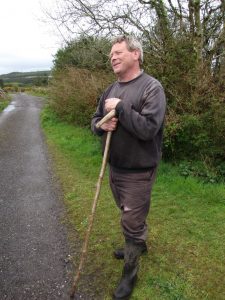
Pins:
<point x="138" y="75"/>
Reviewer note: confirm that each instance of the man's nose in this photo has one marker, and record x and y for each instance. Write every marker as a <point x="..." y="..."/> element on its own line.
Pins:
<point x="113" y="57"/>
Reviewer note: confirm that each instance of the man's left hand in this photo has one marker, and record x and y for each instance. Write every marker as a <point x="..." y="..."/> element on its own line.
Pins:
<point x="111" y="103"/>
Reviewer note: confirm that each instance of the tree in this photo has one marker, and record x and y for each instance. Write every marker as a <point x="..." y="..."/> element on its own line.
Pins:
<point x="85" y="52"/>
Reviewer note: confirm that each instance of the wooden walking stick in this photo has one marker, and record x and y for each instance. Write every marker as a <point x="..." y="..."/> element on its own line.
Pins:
<point x="110" y="115"/>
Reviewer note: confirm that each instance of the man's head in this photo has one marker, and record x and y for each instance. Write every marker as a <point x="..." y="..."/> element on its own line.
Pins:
<point x="126" y="56"/>
<point x="132" y="44"/>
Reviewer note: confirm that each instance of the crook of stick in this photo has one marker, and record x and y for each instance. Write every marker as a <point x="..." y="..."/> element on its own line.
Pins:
<point x="107" y="117"/>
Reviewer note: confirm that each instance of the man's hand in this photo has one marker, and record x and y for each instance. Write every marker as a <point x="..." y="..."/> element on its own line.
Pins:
<point x="110" y="125"/>
<point x="111" y="103"/>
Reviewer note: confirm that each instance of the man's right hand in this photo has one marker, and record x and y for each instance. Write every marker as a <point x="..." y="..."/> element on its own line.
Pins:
<point x="110" y="125"/>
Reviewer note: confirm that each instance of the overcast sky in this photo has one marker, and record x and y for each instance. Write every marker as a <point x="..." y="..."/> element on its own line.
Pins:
<point x="26" y="43"/>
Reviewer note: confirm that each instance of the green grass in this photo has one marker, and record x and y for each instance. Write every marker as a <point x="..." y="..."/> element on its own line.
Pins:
<point x="4" y="103"/>
<point x="186" y="258"/>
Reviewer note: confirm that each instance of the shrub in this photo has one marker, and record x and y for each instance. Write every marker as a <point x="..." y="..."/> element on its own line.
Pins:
<point x="185" y="136"/>
<point x="74" y="93"/>
<point x="195" y="121"/>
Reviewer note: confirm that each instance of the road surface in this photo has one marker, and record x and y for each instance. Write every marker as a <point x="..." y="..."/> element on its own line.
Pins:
<point x="33" y="244"/>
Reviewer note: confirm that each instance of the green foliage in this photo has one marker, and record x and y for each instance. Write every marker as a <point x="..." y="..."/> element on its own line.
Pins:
<point x="195" y="120"/>
<point x="4" y="101"/>
<point x="195" y="125"/>
<point x="74" y="93"/>
<point x="3" y="105"/>
<point x="86" y="53"/>
<point x="176" y="69"/>
<point x="80" y="75"/>
<point x="185" y="137"/>
<point x="203" y="171"/>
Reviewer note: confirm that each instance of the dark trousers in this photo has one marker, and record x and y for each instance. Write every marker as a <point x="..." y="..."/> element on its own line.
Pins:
<point x="132" y="193"/>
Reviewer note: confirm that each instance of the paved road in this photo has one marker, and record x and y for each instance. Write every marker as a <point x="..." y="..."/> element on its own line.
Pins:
<point x="33" y="245"/>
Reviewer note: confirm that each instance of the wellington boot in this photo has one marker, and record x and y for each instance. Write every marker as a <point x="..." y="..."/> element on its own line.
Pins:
<point x="119" y="253"/>
<point x="127" y="282"/>
<point x="133" y="250"/>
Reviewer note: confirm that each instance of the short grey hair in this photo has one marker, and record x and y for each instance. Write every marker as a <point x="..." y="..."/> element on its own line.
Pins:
<point x="132" y="44"/>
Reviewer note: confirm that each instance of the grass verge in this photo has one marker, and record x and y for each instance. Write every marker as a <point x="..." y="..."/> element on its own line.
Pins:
<point x="4" y="102"/>
<point x="186" y="258"/>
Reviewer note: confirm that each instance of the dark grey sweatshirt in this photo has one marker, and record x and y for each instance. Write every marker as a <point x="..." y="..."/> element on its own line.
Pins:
<point x="136" y="143"/>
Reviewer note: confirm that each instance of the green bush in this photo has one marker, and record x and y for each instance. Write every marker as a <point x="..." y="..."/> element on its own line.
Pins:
<point x="195" y="120"/>
<point x="74" y="93"/>
<point x="203" y="170"/>
<point x="185" y="136"/>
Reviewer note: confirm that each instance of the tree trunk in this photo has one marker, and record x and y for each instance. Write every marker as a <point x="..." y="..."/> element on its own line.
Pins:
<point x="196" y="29"/>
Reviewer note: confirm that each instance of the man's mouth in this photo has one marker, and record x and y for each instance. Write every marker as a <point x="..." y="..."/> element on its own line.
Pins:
<point x="116" y="64"/>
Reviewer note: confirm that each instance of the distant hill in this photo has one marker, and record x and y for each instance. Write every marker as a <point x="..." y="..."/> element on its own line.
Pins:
<point x="26" y="78"/>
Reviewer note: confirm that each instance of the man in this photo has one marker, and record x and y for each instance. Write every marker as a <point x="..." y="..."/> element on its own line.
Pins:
<point x="135" y="149"/>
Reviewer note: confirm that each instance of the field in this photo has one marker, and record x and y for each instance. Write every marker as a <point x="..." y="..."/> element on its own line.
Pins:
<point x="24" y="78"/>
<point x="186" y="258"/>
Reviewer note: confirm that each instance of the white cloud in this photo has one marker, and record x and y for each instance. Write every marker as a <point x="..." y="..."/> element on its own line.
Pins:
<point x="27" y="44"/>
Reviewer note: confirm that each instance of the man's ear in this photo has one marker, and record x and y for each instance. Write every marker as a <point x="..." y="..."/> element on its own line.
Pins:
<point x="137" y="54"/>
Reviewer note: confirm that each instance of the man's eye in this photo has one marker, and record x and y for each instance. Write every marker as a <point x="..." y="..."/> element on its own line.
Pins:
<point x="115" y="53"/>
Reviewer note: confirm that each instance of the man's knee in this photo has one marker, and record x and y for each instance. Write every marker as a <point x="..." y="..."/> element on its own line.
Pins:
<point x="132" y="225"/>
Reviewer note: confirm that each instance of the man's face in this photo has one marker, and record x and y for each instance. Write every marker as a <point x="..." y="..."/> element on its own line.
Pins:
<point x="123" y="60"/>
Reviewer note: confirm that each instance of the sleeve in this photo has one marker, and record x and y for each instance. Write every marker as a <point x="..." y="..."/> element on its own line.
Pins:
<point x="145" y="124"/>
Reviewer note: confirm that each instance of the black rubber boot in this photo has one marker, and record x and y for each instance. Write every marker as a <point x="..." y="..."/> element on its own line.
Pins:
<point x="127" y="282"/>
<point x="133" y="250"/>
<point x="119" y="253"/>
